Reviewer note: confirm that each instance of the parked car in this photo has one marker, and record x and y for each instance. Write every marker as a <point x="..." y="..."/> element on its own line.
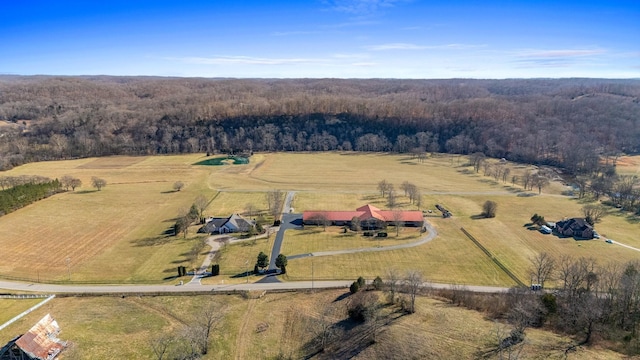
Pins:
<point x="609" y="241"/>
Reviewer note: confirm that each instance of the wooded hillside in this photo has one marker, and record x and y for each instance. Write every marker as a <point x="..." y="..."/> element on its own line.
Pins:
<point x="565" y="122"/>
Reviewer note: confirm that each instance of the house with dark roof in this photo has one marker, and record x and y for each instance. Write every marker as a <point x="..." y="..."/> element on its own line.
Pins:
<point x="370" y="217"/>
<point x="40" y="342"/>
<point x="232" y="224"/>
<point x="576" y="227"/>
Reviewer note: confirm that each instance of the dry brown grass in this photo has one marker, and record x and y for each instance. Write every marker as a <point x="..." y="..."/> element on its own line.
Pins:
<point x="116" y="234"/>
<point x="276" y="324"/>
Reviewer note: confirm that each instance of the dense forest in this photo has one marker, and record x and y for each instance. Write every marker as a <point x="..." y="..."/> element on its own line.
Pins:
<point x="565" y="122"/>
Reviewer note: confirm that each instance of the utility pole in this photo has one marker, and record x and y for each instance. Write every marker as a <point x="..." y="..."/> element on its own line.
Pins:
<point x="312" y="278"/>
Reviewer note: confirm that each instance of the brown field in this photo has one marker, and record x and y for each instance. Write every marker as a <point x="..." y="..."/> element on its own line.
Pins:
<point x="114" y="327"/>
<point x="116" y="234"/>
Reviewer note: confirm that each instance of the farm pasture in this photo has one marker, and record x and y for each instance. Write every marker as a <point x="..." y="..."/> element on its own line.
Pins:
<point x="119" y="234"/>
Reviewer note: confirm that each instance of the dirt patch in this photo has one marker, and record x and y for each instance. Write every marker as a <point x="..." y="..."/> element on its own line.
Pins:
<point x="113" y="162"/>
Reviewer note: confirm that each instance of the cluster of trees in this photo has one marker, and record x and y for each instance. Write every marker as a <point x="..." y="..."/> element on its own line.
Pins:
<point x="275" y="202"/>
<point x="622" y="190"/>
<point x="529" y="179"/>
<point x="567" y="122"/>
<point x="187" y="217"/>
<point x="23" y="194"/>
<point x="68" y="181"/>
<point x="410" y="190"/>
<point x="192" y="341"/>
<point x="591" y="298"/>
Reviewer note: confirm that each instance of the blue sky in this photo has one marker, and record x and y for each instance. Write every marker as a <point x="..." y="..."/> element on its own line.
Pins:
<point x="322" y="38"/>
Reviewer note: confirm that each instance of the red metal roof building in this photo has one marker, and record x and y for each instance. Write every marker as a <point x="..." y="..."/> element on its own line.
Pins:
<point x="40" y="342"/>
<point x="368" y="215"/>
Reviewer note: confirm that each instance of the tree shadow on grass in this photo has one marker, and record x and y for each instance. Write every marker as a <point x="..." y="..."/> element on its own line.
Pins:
<point x="84" y="191"/>
<point x="342" y="297"/>
<point x="242" y="275"/>
<point x="168" y="192"/>
<point x="152" y="241"/>
<point x="478" y="217"/>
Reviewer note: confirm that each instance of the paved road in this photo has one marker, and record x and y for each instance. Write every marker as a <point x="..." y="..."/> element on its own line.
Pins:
<point x="430" y="235"/>
<point x="141" y="289"/>
<point x="289" y="221"/>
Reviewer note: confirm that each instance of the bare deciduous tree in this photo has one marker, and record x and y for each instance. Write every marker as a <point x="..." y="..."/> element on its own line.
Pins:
<point x="398" y="221"/>
<point x="412" y="283"/>
<point x="393" y="280"/>
<point x="275" y="200"/>
<point x="98" y="183"/>
<point x="161" y="345"/>
<point x="593" y="213"/>
<point x="489" y="209"/>
<point x="542" y="267"/>
<point x="201" y="203"/>
<point x="178" y="185"/>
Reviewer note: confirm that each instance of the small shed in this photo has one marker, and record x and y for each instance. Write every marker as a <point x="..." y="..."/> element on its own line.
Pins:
<point x="40" y="342"/>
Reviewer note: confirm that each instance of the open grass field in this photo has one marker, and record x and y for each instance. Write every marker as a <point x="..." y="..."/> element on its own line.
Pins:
<point x="115" y="234"/>
<point x="12" y="307"/>
<point x="238" y="258"/>
<point x="276" y="325"/>
<point x="118" y="234"/>
<point x="313" y="239"/>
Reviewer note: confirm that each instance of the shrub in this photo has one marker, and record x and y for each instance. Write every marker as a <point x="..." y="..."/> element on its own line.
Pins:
<point x="362" y="306"/>
<point x="378" y="284"/>
<point x="354" y="288"/>
<point x="549" y="302"/>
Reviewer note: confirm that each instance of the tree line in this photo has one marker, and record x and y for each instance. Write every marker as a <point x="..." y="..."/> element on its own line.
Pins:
<point x="21" y="195"/>
<point x="570" y="123"/>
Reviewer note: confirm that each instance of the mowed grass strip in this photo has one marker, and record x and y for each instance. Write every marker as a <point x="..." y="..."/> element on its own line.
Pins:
<point x="235" y="202"/>
<point x="445" y="260"/>
<point x="313" y="239"/>
<point x="509" y="240"/>
<point x="9" y="308"/>
<point x="238" y="258"/>
<point x="361" y="172"/>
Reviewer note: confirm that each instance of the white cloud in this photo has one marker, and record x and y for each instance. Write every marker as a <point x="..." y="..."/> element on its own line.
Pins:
<point x="364" y="64"/>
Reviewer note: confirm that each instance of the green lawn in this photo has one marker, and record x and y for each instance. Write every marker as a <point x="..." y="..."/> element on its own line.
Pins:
<point x="313" y="239"/>
<point x="9" y="308"/>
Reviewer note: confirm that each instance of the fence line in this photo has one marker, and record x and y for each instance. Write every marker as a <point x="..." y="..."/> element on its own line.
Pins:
<point x="493" y="258"/>
<point x="27" y="312"/>
<point x="24" y="296"/>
